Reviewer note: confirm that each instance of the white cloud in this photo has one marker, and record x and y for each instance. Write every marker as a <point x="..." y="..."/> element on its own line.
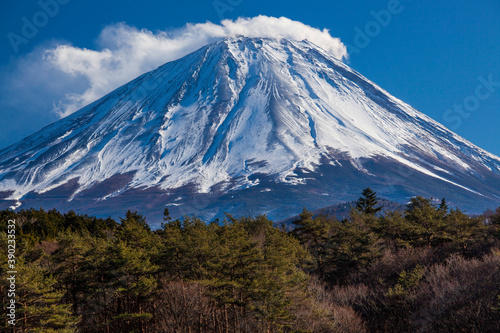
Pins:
<point x="126" y="52"/>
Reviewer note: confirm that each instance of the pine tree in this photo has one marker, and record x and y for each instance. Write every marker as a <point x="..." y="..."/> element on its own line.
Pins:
<point x="393" y="229"/>
<point x="68" y="260"/>
<point x="495" y="218"/>
<point x="41" y="308"/>
<point x="280" y="282"/>
<point x="426" y="221"/>
<point x="350" y="246"/>
<point x="462" y="229"/>
<point x="313" y="233"/>
<point x="97" y="274"/>
<point x="132" y="253"/>
<point x="134" y="283"/>
<point x="367" y="202"/>
<point x="443" y="206"/>
<point x="233" y="271"/>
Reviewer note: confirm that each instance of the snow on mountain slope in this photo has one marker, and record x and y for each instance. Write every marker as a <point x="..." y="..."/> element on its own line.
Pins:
<point x="235" y="112"/>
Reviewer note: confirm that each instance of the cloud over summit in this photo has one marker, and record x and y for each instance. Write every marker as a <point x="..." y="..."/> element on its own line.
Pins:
<point x="125" y="52"/>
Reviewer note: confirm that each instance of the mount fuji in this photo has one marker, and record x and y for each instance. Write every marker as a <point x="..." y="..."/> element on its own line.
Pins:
<point x="245" y="126"/>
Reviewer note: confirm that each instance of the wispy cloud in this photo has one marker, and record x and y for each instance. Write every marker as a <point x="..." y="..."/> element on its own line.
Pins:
<point x="124" y="52"/>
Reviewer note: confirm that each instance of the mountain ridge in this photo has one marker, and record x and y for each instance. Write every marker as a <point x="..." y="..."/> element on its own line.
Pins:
<point x="246" y="113"/>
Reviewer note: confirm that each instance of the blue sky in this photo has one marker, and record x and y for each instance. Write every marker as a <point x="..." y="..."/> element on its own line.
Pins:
<point x="441" y="57"/>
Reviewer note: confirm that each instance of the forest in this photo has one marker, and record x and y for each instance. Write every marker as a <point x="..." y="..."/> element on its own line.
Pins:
<point x="426" y="268"/>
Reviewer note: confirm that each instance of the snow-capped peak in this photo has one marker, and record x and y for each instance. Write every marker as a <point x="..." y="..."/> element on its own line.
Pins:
<point x="231" y="111"/>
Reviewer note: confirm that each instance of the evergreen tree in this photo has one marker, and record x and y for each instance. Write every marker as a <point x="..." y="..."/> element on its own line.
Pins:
<point x="367" y="202"/>
<point x="426" y="221"/>
<point x="134" y="283"/>
<point x="280" y="283"/>
<point x="98" y="273"/>
<point x="233" y="271"/>
<point x="493" y="221"/>
<point x="77" y="272"/>
<point x="393" y="229"/>
<point x="187" y="247"/>
<point x="443" y="206"/>
<point x="68" y="259"/>
<point x="41" y="308"/>
<point x="351" y="245"/>
<point x="495" y="218"/>
<point x="313" y="233"/>
<point x="462" y="229"/>
<point x="132" y="255"/>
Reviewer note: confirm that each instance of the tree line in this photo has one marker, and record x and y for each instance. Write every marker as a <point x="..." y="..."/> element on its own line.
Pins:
<point x="425" y="269"/>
